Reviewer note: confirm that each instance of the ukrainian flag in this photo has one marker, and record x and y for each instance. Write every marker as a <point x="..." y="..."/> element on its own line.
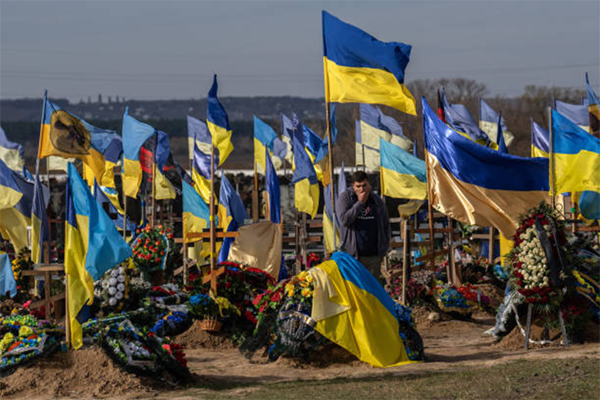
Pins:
<point x="576" y="113"/>
<point x="361" y="69"/>
<point x="232" y="214"/>
<point x="306" y="185"/>
<point x="11" y="153"/>
<point x="540" y="141"/>
<point x="109" y="144"/>
<point x="375" y="125"/>
<point x="328" y="226"/>
<point x="135" y="133"/>
<point x="478" y="185"/>
<point x="461" y="120"/>
<point x="264" y="138"/>
<point x="7" y="277"/>
<point x="92" y="247"/>
<point x="218" y="124"/>
<point x="576" y="157"/>
<point x="488" y="123"/>
<point x="65" y="135"/>
<point x="273" y="194"/>
<point x="163" y="190"/>
<point x="102" y="198"/>
<point x="201" y="173"/>
<point x="288" y="130"/>
<point x="196" y="214"/>
<point x="403" y="176"/>
<point x="501" y="144"/>
<point x="40" y="228"/>
<point x="15" y="219"/>
<point x="593" y="109"/>
<point x="354" y="311"/>
<point x="198" y="135"/>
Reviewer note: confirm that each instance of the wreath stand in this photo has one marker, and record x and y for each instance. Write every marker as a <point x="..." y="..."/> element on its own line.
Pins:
<point x="528" y="326"/>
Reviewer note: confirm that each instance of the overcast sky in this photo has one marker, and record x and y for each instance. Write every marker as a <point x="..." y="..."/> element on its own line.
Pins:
<point x="170" y="49"/>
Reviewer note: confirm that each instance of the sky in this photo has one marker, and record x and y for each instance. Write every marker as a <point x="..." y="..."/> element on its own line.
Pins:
<point x="150" y="50"/>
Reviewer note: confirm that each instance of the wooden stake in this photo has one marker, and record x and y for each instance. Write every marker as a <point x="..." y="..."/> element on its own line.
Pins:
<point x="255" y="213"/>
<point x="405" y="256"/>
<point x="492" y="242"/>
<point x="213" y="277"/>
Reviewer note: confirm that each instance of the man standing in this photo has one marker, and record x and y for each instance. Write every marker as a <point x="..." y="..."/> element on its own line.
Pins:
<point x="364" y="223"/>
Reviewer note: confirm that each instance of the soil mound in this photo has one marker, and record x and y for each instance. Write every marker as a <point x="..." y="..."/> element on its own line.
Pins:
<point x="196" y="338"/>
<point x="494" y="293"/>
<point x="84" y="373"/>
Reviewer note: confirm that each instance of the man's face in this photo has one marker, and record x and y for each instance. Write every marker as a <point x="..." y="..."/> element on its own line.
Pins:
<point x="361" y="187"/>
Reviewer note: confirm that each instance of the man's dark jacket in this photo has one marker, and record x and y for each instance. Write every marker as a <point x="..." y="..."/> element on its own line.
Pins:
<point x="348" y="208"/>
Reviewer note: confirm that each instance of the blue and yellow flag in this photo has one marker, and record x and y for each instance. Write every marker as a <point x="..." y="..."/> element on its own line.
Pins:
<point x="8" y="285"/>
<point x="264" y="138"/>
<point x="540" y="141"/>
<point x="488" y="123"/>
<point x="501" y="143"/>
<point x="196" y="214"/>
<point x="232" y="214"/>
<point x="110" y="145"/>
<point x="14" y="220"/>
<point x="9" y="190"/>
<point x="218" y="124"/>
<point x="273" y="195"/>
<point x="288" y="130"/>
<point x="354" y="311"/>
<point x="593" y="108"/>
<point x="375" y="125"/>
<point x="576" y="157"/>
<point x="66" y="135"/>
<point x="11" y="153"/>
<point x="135" y="133"/>
<point x="40" y="228"/>
<point x="328" y="225"/>
<point x="576" y="113"/>
<point x="361" y="69"/>
<point x="403" y="176"/>
<point x="163" y="189"/>
<point x="461" y="120"/>
<point x="201" y="174"/>
<point x="306" y="185"/>
<point x="102" y="199"/>
<point x="478" y="185"/>
<point x="198" y="135"/>
<point x="92" y="246"/>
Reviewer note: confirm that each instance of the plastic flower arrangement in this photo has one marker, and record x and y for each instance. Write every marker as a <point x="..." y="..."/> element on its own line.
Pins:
<point x="151" y="248"/>
<point x="111" y="288"/>
<point x="463" y="299"/>
<point x="202" y="306"/>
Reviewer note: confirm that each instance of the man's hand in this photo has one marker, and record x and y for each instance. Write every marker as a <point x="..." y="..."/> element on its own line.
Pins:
<point x="363" y="196"/>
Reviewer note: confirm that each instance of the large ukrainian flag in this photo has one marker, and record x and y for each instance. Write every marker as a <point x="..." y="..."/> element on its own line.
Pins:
<point x="306" y="185"/>
<point x="576" y="157"/>
<point x="540" y="141"/>
<point x="354" y="311"/>
<point x="478" y="185"/>
<point x="135" y="133"/>
<point x="65" y="135"/>
<point x="264" y="138"/>
<point x="218" y="123"/>
<point x="576" y="113"/>
<point x="196" y="214"/>
<point x="403" y="176"/>
<point x="15" y="219"/>
<point x="201" y="172"/>
<point x="593" y="108"/>
<point x="92" y="246"/>
<point x="361" y="69"/>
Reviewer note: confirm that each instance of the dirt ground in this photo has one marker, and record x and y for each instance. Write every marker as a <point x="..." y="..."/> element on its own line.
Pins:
<point x="219" y="368"/>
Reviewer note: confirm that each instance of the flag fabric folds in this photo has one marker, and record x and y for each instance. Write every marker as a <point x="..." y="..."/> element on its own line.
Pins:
<point x="576" y="113"/>
<point x="403" y="176"/>
<point x="196" y="214"/>
<point x="273" y="195"/>
<point x="306" y="186"/>
<point x="258" y="245"/>
<point x="15" y="220"/>
<point x="92" y="247"/>
<point x="264" y="138"/>
<point x="488" y="123"/>
<point x="8" y="285"/>
<point x="477" y="185"/>
<point x="354" y="311"/>
<point x="328" y="226"/>
<point x="218" y="124"/>
<point x="593" y="109"/>
<point x="65" y="135"/>
<point x="375" y="125"/>
<point x="540" y="141"/>
<point x="576" y="157"/>
<point x="361" y="69"/>
<point x="501" y="143"/>
<point x="163" y="189"/>
<point x="108" y="205"/>
<point x="288" y="130"/>
<point x="9" y="190"/>
<point x="40" y="228"/>
<point x="135" y="133"/>
<point x="198" y="135"/>
<point x="461" y="120"/>
<point x="11" y="153"/>
<point x="232" y="215"/>
<point x="201" y="172"/>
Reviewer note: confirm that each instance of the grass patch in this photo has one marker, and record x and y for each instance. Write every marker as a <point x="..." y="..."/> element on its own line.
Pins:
<point x="536" y="379"/>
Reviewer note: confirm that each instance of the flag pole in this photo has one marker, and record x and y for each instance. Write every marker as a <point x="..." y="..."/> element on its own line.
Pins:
<point x="552" y="172"/>
<point x="255" y="215"/>
<point x="213" y="278"/>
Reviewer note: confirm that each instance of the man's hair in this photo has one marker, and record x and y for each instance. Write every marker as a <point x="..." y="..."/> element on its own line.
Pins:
<point x="359" y="176"/>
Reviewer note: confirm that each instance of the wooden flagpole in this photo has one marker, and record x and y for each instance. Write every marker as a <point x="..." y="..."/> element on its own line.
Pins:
<point x="255" y="214"/>
<point x="213" y="277"/>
